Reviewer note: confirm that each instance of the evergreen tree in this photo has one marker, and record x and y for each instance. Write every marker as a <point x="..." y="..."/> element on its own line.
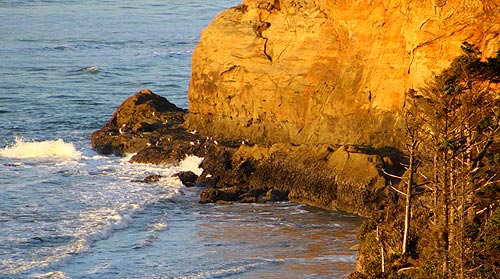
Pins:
<point x="458" y="116"/>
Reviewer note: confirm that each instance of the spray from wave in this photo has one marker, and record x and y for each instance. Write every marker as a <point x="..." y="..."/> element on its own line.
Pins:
<point x="192" y="163"/>
<point x="40" y="150"/>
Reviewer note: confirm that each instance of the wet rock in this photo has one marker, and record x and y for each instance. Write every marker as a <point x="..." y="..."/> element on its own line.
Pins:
<point x="252" y="199"/>
<point x="319" y="175"/>
<point x="254" y="193"/>
<point x="188" y="178"/>
<point x="209" y="195"/>
<point x="212" y="195"/>
<point x="159" y="155"/>
<point x="149" y="179"/>
<point x="221" y="202"/>
<point x="206" y="179"/>
<point x="152" y="178"/>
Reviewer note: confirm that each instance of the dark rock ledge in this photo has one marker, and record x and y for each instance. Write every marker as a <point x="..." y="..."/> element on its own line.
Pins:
<point x="346" y="178"/>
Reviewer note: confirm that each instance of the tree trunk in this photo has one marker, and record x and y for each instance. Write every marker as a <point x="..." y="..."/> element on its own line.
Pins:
<point x="408" y="200"/>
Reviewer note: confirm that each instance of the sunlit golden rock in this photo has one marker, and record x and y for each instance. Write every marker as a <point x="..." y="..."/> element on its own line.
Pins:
<point x="325" y="71"/>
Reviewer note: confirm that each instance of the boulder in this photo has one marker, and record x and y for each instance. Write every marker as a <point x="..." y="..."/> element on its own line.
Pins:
<point x="213" y="195"/>
<point x="188" y="178"/>
<point x="253" y="196"/>
<point x="209" y="195"/>
<point x="149" y="179"/>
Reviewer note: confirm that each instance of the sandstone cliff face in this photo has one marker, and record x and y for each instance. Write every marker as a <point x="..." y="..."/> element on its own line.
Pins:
<point x="327" y="71"/>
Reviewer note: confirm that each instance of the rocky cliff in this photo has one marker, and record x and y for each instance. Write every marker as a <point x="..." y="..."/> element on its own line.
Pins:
<point x="301" y="100"/>
<point x="335" y="177"/>
<point x="324" y="71"/>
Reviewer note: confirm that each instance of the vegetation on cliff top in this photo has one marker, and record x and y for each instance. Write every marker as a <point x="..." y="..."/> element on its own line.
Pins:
<point x="443" y="220"/>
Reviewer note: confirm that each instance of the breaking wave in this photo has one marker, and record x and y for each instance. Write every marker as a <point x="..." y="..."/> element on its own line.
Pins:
<point x="40" y="150"/>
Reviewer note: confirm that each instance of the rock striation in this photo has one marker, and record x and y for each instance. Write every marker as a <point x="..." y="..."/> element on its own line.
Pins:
<point x="322" y="71"/>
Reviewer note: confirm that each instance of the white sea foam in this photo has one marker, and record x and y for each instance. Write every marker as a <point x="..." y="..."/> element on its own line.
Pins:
<point x="51" y="275"/>
<point x="40" y="150"/>
<point x="109" y="206"/>
<point x="161" y="225"/>
<point x="192" y="163"/>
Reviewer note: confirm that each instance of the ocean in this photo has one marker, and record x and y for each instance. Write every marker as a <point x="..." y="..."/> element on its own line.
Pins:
<point x="68" y="212"/>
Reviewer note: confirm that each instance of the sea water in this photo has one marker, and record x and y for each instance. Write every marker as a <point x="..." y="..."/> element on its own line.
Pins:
<point x="68" y="212"/>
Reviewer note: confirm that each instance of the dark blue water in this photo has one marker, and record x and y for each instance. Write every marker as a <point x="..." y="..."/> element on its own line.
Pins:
<point x="71" y="61"/>
<point x="67" y="212"/>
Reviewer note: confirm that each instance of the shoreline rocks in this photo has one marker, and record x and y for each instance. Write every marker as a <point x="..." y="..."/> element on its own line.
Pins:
<point x="345" y="178"/>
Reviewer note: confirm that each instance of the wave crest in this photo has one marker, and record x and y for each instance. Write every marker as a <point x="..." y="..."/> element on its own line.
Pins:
<point x="40" y="149"/>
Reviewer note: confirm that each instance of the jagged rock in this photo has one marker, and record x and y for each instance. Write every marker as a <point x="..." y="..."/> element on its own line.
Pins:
<point x="153" y="155"/>
<point x="252" y="196"/>
<point x="162" y="154"/>
<point x="251" y="199"/>
<point x="207" y="179"/>
<point x="188" y="178"/>
<point x="346" y="177"/>
<point x="209" y="195"/>
<point x="152" y="178"/>
<point x="321" y="72"/>
<point x="134" y="123"/>
<point x="341" y="178"/>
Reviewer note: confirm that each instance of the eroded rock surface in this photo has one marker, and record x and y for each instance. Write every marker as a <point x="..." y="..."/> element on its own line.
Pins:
<point x="321" y="71"/>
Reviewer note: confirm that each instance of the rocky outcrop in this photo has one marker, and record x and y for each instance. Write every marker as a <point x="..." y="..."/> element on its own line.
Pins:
<point x="188" y="178"/>
<point x="138" y="122"/>
<point x="346" y="178"/>
<point x="151" y="127"/>
<point x="318" y="71"/>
